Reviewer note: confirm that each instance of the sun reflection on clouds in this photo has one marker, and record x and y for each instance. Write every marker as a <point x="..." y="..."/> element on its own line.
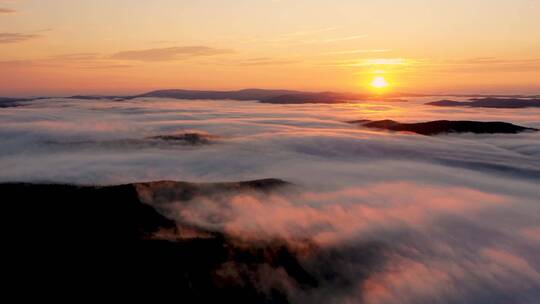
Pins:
<point x="377" y="109"/>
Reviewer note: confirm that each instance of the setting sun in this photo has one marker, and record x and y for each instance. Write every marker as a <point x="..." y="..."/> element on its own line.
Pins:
<point x="379" y="82"/>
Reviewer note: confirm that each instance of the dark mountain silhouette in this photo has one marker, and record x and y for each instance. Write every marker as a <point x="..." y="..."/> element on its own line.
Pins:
<point x="7" y="102"/>
<point x="97" y="97"/>
<point x="300" y="98"/>
<point x="502" y="103"/>
<point x="94" y="240"/>
<point x="265" y="96"/>
<point x="445" y="126"/>
<point x="247" y="94"/>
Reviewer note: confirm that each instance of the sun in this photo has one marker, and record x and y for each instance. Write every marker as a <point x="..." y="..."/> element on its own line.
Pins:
<point x="379" y="82"/>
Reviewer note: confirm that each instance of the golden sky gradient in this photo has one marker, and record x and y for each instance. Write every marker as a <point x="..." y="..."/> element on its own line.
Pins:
<point x="127" y="46"/>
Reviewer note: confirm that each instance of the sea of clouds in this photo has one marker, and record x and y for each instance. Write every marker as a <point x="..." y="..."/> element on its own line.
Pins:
<point x="452" y="218"/>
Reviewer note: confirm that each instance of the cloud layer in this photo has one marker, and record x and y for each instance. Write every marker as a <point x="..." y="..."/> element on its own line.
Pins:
<point x="450" y="218"/>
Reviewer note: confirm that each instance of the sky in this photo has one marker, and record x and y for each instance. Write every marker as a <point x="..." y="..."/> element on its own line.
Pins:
<point x="131" y="46"/>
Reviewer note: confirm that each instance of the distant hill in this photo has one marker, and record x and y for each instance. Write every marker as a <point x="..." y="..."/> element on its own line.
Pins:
<point x="97" y="97"/>
<point x="247" y="94"/>
<point x="500" y="103"/>
<point x="299" y="98"/>
<point x="7" y="102"/>
<point x="261" y="95"/>
<point x="264" y="96"/>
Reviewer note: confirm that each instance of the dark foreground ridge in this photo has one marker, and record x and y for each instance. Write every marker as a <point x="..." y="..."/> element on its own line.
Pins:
<point x="501" y="103"/>
<point x="91" y="240"/>
<point x="445" y="126"/>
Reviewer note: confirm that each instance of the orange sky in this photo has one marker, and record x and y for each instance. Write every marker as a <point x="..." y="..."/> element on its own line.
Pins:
<point x="124" y="46"/>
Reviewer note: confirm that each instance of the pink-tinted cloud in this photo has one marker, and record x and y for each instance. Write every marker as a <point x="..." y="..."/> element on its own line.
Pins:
<point x="336" y="216"/>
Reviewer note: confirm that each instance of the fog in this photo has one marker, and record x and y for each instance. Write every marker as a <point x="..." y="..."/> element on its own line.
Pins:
<point x="452" y="218"/>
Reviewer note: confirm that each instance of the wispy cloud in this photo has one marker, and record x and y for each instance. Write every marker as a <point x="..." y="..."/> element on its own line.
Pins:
<point x="315" y="36"/>
<point x="163" y="42"/>
<point x="262" y="61"/>
<point x="486" y="64"/>
<point x="351" y="52"/>
<point x="346" y="38"/>
<point x="16" y="37"/>
<point x="384" y="61"/>
<point x="171" y="53"/>
<point x="99" y="66"/>
<point x="309" y="32"/>
<point x="77" y="57"/>
<point x="19" y="64"/>
<point x="373" y="62"/>
<point x="73" y="61"/>
<point x="7" y="11"/>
